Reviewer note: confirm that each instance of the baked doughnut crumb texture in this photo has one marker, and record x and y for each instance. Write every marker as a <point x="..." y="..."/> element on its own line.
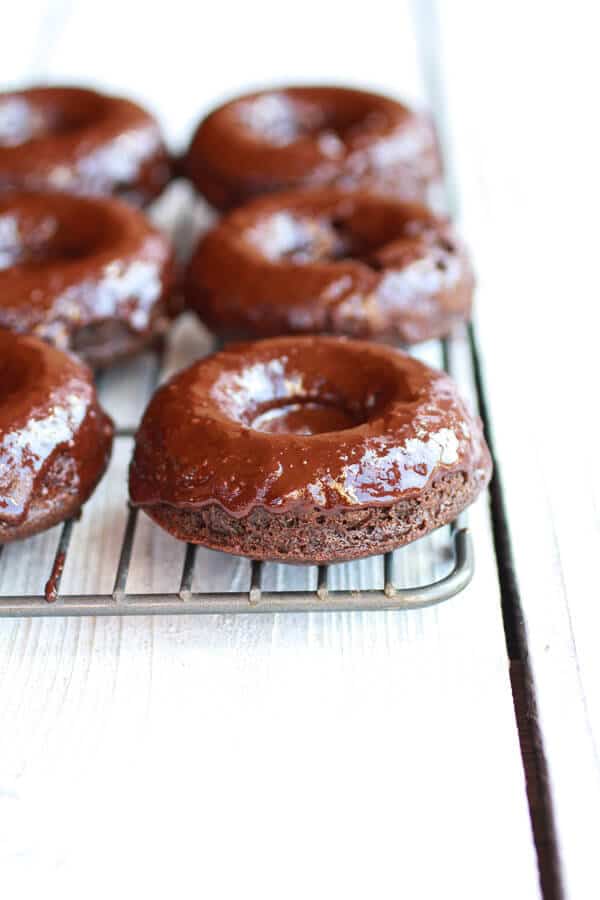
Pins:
<point x="315" y="536"/>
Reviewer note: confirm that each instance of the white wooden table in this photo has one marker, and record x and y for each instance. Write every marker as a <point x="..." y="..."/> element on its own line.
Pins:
<point x="342" y="754"/>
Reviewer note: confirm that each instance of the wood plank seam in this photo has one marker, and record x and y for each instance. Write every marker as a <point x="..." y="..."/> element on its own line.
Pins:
<point x="533" y="754"/>
<point x="535" y="764"/>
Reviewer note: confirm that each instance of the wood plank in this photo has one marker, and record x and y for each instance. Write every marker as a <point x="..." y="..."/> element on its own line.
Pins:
<point x="125" y="389"/>
<point x="523" y="149"/>
<point x="25" y="566"/>
<point x="342" y="754"/>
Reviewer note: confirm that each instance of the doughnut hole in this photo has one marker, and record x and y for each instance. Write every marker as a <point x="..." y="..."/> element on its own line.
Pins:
<point x="313" y="395"/>
<point x="379" y="236"/>
<point x="304" y="417"/>
<point x="330" y="118"/>
<point x="297" y="238"/>
<point x="31" y="236"/>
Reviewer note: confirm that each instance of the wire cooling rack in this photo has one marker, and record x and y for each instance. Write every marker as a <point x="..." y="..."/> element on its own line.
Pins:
<point x="255" y="599"/>
<point x="325" y="592"/>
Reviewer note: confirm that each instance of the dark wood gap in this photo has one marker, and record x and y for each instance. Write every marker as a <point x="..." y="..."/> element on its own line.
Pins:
<point x="541" y="808"/>
<point x="512" y="614"/>
<point x="127" y="432"/>
<point x="536" y="783"/>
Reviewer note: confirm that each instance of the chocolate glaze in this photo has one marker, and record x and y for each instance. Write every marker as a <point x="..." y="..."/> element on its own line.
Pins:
<point x="77" y="140"/>
<point x="48" y="408"/>
<point x="199" y="444"/>
<point x="68" y="264"/>
<point x="312" y="136"/>
<point x="325" y="261"/>
<point x="53" y="583"/>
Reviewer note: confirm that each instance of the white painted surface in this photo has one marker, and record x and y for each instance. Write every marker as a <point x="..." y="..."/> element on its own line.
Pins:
<point x="354" y="755"/>
<point x="521" y="100"/>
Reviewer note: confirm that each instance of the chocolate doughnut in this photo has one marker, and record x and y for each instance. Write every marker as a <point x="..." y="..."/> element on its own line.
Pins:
<point x="88" y="274"/>
<point x="79" y="141"/>
<point x="307" y="449"/>
<point x="324" y="261"/>
<point x="312" y="137"/>
<point x="55" y="440"/>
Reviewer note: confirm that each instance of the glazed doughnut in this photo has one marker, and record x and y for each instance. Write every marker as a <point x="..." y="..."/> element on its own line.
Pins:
<point x="329" y="262"/>
<point x="312" y="137"/>
<point x="55" y="440"/>
<point x="88" y="274"/>
<point x="79" y="141"/>
<point x="307" y="449"/>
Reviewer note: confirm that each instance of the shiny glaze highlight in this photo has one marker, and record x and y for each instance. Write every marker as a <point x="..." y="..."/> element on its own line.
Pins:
<point x="197" y="444"/>
<point x="48" y="407"/>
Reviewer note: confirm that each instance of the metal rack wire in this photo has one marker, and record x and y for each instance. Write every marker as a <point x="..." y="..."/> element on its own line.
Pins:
<point x="253" y="600"/>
